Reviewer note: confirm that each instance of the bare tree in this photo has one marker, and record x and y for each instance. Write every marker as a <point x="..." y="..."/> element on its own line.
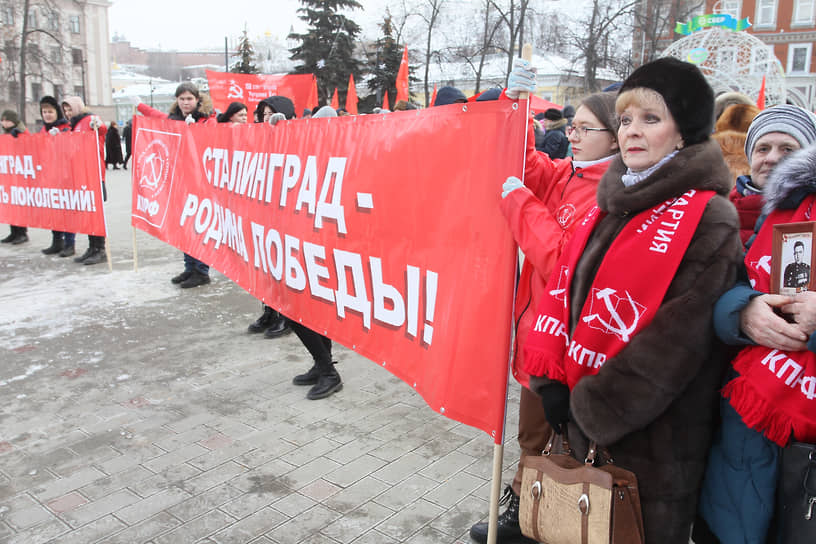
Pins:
<point x="35" y="48"/>
<point x="513" y="15"/>
<point x="590" y="37"/>
<point x="655" y="21"/>
<point x="430" y="14"/>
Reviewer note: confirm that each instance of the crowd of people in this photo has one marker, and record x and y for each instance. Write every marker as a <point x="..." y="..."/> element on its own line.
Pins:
<point x="678" y="392"/>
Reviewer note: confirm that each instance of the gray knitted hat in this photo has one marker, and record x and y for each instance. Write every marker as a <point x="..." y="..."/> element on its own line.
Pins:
<point x="797" y="122"/>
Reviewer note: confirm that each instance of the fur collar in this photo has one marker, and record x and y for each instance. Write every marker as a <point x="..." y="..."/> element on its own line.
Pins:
<point x="791" y="180"/>
<point x="698" y="166"/>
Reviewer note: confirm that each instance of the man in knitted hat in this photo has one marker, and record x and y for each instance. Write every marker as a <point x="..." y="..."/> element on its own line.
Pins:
<point x="772" y="136"/>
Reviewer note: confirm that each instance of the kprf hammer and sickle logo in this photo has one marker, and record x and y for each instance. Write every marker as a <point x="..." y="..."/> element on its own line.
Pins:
<point x="235" y="91"/>
<point x="618" y="326"/>
<point x="152" y="169"/>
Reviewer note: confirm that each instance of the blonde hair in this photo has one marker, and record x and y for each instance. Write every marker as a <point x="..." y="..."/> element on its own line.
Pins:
<point x="639" y="96"/>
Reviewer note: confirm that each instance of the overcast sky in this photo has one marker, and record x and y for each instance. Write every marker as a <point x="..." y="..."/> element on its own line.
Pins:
<point x="198" y="24"/>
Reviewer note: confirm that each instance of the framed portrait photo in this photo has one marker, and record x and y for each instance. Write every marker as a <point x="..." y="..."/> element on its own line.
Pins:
<point x="792" y="262"/>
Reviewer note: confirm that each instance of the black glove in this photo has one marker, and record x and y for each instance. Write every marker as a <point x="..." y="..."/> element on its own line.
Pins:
<point x="555" y="399"/>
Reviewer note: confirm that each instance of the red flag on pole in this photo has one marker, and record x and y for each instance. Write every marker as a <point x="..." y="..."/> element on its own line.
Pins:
<point x="402" y="77"/>
<point x="313" y="102"/>
<point x="351" y="97"/>
<point x="385" y="104"/>
<point x="335" y="102"/>
<point x="761" y="97"/>
<point x="433" y="96"/>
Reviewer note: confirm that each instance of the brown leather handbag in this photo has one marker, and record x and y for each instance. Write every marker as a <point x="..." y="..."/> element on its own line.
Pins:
<point x="564" y="501"/>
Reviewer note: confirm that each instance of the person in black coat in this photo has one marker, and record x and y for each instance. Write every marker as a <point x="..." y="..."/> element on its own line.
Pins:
<point x="554" y="142"/>
<point x="54" y="122"/>
<point x="127" y="136"/>
<point x="113" y="147"/>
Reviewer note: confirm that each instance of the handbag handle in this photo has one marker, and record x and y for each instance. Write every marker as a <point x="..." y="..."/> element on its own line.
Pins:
<point x="592" y="452"/>
<point x="565" y="445"/>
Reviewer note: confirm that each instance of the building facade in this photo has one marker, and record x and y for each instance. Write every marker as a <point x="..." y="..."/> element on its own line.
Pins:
<point x="789" y="28"/>
<point x="67" y="51"/>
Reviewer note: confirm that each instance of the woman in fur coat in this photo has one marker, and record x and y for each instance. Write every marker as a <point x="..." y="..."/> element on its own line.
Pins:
<point x="623" y="352"/>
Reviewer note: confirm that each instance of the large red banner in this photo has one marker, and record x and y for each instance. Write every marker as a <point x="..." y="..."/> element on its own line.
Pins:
<point x="52" y="182"/>
<point x="382" y="232"/>
<point x="226" y="87"/>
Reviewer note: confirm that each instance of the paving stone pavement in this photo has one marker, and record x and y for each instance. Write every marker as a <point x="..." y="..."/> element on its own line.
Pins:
<point x="133" y="411"/>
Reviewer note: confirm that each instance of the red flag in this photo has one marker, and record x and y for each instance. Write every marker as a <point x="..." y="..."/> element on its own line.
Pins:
<point x="433" y="96"/>
<point x="252" y="88"/>
<point x="351" y="97"/>
<point x="402" y="77"/>
<point x="312" y="103"/>
<point x="761" y="97"/>
<point x="385" y="105"/>
<point x="335" y="102"/>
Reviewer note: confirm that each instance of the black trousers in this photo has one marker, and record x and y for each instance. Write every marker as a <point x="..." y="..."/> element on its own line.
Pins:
<point x="318" y="346"/>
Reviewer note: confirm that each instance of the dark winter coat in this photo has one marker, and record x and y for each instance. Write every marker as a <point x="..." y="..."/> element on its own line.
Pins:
<point x="554" y="142"/>
<point x="654" y="404"/>
<point x="127" y="136"/>
<point x="113" y="147"/>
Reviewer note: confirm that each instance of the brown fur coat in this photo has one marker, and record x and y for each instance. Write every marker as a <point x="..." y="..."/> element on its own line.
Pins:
<point x="654" y="404"/>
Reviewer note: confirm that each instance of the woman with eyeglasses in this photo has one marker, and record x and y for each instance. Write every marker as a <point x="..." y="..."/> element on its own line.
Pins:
<point x="543" y="212"/>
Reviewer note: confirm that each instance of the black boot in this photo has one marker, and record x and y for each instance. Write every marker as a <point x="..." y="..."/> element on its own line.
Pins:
<point x="181" y="277"/>
<point x="279" y="326"/>
<point x="263" y="322"/>
<point x="310" y="377"/>
<point x="328" y="382"/>
<point x="196" y="278"/>
<point x="10" y="237"/>
<point x="88" y="253"/>
<point x="56" y="243"/>
<point x="507" y="530"/>
<point x="97" y="256"/>
<point x="20" y="235"/>
<point x="67" y="250"/>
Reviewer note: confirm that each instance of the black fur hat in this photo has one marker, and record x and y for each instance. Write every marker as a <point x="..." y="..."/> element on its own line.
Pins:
<point x="687" y="94"/>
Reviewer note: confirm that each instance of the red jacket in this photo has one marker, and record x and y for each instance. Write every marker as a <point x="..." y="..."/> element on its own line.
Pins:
<point x="749" y="208"/>
<point x="147" y="111"/>
<point x="543" y="216"/>
<point x="84" y="125"/>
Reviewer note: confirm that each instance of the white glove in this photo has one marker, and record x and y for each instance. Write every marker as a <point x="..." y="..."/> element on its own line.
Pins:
<point x="511" y="185"/>
<point x="189" y="119"/>
<point x="136" y="100"/>
<point x="522" y="78"/>
<point x="54" y="131"/>
<point x="95" y="122"/>
<point x="276" y="117"/>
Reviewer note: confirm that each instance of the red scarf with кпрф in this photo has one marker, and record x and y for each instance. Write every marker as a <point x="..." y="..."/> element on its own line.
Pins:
<point x="629" y="287"/>
<point x="775" y="391"/>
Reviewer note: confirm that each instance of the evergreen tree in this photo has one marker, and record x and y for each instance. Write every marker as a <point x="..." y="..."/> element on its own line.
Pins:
<point x="384" y="63"/>
<point x="246" y="54"/>
<point x="326" y="49"/>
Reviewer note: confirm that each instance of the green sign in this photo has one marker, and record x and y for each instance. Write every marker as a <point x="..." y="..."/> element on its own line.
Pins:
<point x="714" y="19"/>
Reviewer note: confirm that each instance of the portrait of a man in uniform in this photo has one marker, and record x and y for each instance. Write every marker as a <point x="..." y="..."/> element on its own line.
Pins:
<point x="797" y="273"/>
